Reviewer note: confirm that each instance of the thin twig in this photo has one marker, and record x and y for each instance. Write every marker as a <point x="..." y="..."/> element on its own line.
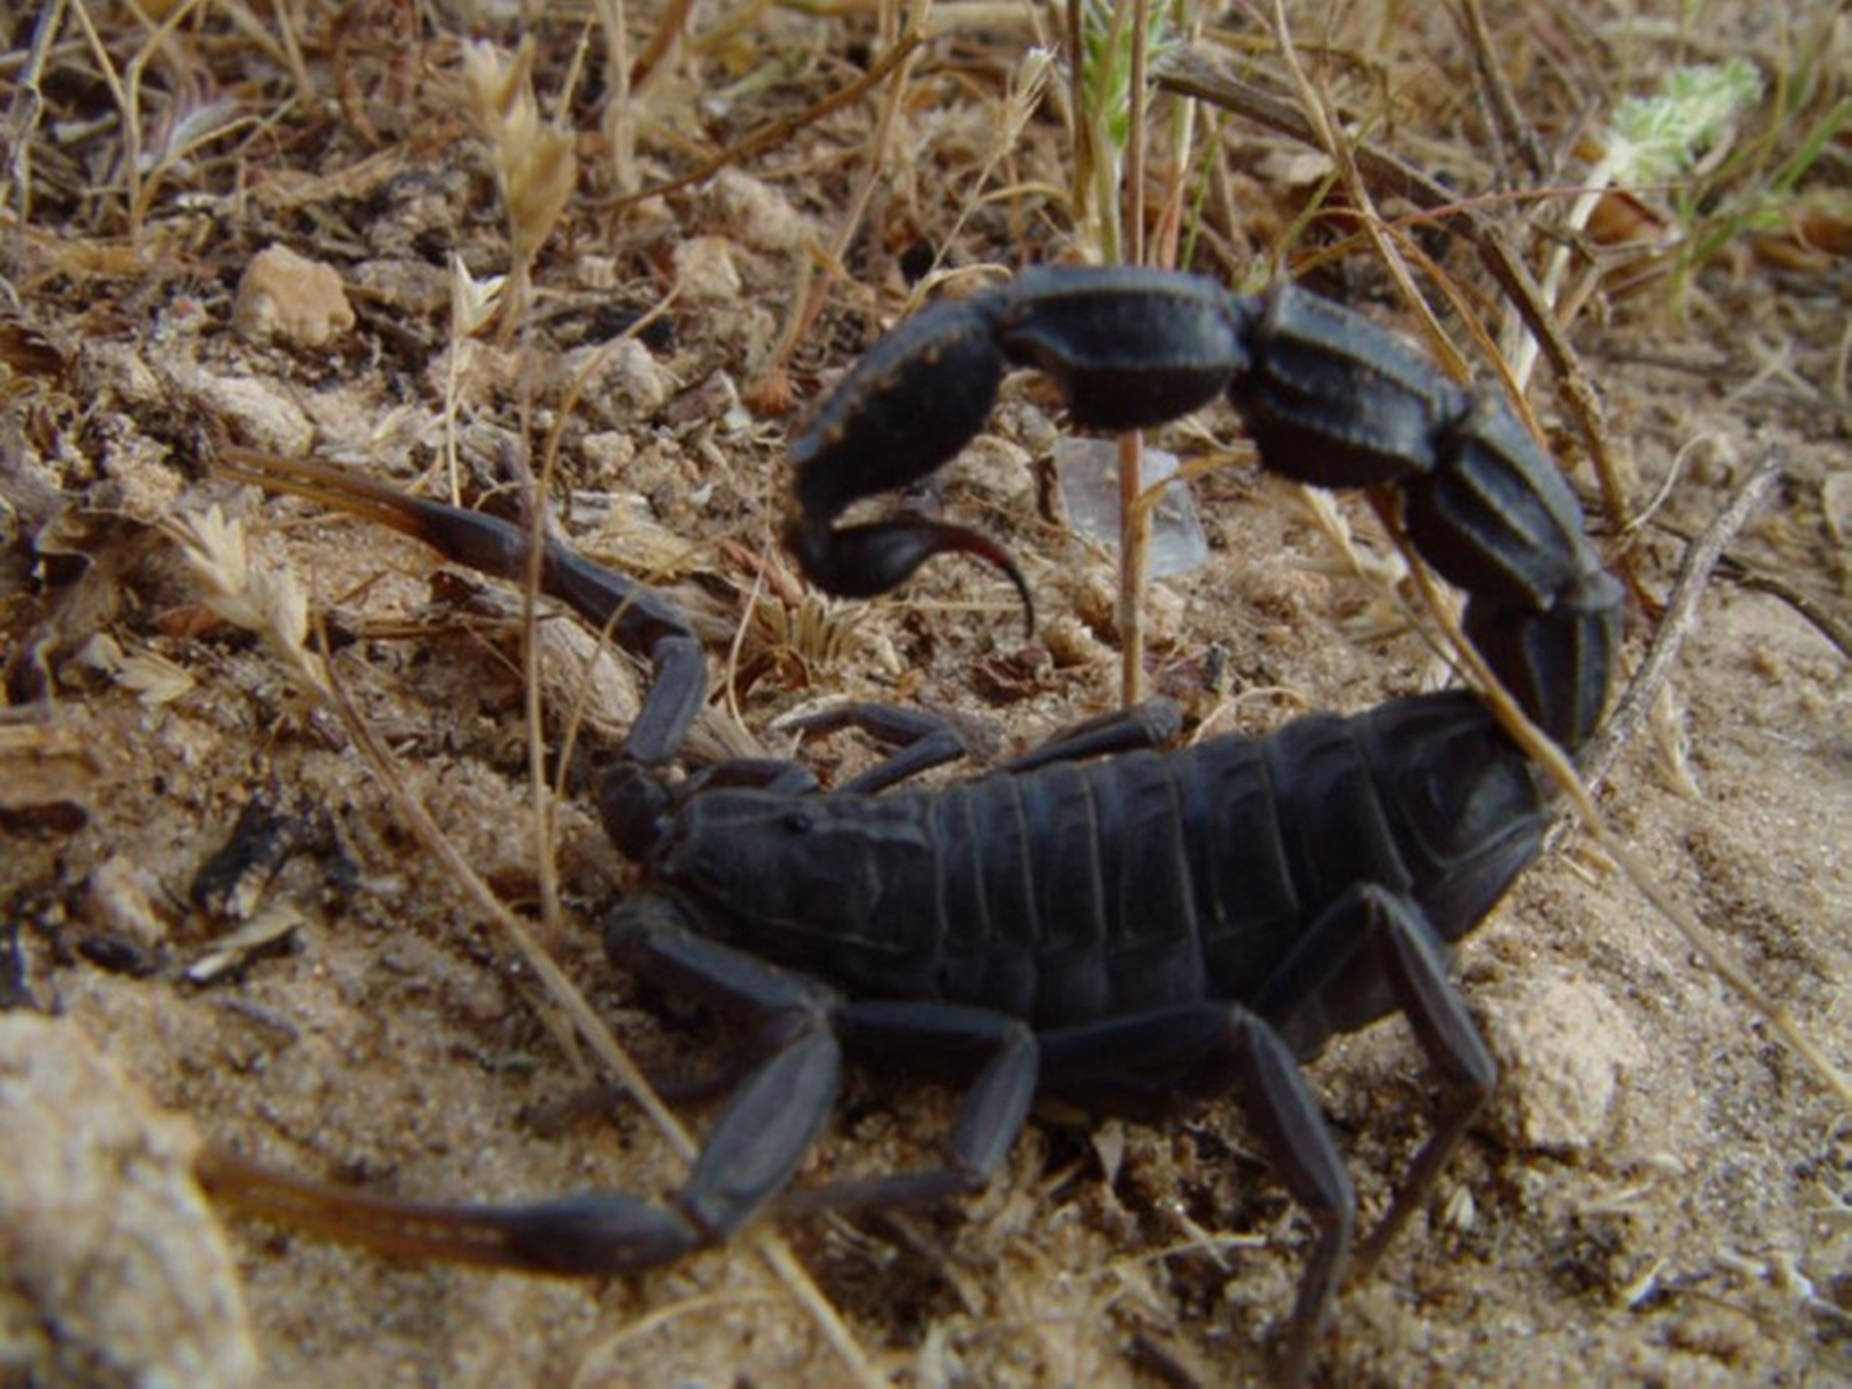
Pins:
<point x="1132" y="193"/>
<point x="1511" y="123"/>
<point x="778" y="131"/>
<point x="1746" y="575"/>
<point x="143" y="187"/>
<point x="1343" y="153"/>
<point x="534" y="497"/>
<point x="22" y="122"/>
<point x="131" y="124"/>
<point x="1134" y="520"/>
<point x="1701" y="557"/>
<point x="1080" y="127"/>
<point x="559" y="987"/>
<point x="669" y="27"/>
<point x="1134" y="547"/>
<point x="813" y="289"/>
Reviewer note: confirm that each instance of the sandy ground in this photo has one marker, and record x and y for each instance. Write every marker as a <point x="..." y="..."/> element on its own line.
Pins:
<point x="1658" y="1195"/>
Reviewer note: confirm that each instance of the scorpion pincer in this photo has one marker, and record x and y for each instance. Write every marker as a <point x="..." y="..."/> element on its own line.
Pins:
<point x="1128" y="929"/>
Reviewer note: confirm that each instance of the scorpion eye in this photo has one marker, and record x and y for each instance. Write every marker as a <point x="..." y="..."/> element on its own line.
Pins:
<point x="798" y="821"/>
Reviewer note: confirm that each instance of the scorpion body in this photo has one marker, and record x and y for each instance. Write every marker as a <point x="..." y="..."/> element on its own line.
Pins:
<point x="1129" y="931"/>
<point x="1079" y="891"/>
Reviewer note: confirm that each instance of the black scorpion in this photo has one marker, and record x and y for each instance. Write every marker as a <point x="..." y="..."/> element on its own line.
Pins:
<point x="1134" y="932"/>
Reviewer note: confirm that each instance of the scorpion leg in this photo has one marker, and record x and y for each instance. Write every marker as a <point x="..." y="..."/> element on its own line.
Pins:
<point x="947" y="1036"/>
<point x="923" y="740"/>
<point x="991" y="1115"/>
<point x="1369" y="941"/>
<point x="1150" y="724"/>
<point x="783" y="1103"/>
<point x="920" y="739"/>
<point x="640" y="620"/>
<point x="572" y="1235"/>
<point x="1153" y="1061"/>
<point x="774" y="1116"/>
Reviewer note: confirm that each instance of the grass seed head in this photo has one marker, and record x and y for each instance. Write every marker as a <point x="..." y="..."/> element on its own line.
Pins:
<point x="535" y="166"/>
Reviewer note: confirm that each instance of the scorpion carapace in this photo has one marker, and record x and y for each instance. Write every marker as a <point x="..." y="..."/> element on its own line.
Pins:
<point x="1127" y="928"/>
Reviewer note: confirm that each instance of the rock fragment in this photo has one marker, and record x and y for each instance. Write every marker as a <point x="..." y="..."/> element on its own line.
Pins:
<point x="116" y="1270"/>
<point x="284" y="297"/>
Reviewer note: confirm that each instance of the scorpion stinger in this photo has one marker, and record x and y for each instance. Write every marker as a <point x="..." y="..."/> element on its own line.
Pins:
<point x="1128" y="348"/>
<point x="867" y="560"/>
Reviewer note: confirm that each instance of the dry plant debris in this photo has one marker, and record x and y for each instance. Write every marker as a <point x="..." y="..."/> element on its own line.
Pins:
<point x="598" y="260"/>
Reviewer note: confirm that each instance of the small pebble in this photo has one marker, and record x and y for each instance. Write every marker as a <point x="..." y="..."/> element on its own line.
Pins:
<point x="704" y="270"/>
<point x="1564" y="1050"/>
<point x="116" y="1270"/>
<point x="288" y="298"/>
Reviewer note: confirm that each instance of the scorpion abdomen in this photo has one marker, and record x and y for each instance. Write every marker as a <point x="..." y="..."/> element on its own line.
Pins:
<point x="1082" y="891"/>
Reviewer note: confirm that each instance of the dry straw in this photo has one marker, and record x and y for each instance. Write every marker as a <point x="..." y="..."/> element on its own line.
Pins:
<point x="535" y="167"/>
